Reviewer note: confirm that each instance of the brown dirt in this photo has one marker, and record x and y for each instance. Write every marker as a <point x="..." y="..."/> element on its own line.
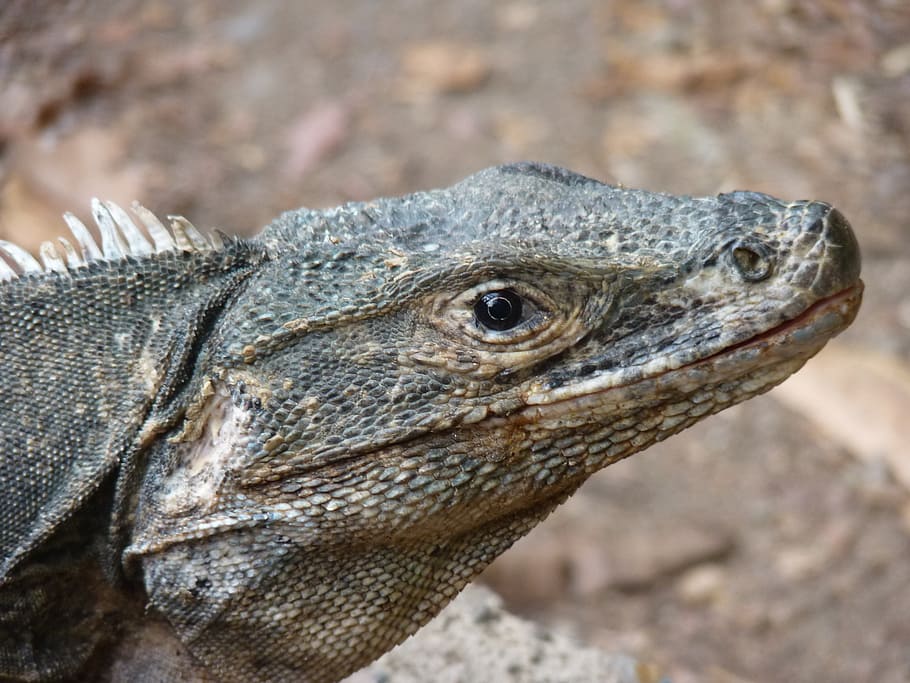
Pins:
<point x="754" y="547"/>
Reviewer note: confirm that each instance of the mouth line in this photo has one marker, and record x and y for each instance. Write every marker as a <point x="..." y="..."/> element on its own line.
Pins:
<point x="817" y="310"/>
<point x="808" y="331"/>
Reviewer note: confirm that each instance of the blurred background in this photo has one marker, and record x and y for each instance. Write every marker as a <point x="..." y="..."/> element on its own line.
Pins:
<point x="771" y="542"/>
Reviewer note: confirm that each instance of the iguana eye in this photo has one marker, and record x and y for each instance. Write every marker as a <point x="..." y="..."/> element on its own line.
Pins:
<point x="501" y="311"/>
<point x="498" y="310"/>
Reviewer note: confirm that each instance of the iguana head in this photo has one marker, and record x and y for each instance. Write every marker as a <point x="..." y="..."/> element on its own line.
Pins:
<point x="409" y="385"/>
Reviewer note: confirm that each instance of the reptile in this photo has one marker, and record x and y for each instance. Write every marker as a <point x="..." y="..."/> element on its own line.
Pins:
<point x="274" y="458"/>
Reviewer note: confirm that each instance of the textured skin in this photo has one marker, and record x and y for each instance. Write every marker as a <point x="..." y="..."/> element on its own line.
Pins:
<point x="276" y="460"/>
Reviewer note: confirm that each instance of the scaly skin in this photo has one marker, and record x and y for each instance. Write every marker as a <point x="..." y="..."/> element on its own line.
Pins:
<point x="302" y="453"/>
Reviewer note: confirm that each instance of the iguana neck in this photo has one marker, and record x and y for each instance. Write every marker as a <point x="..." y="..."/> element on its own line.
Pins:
<point x="122" y="337"/>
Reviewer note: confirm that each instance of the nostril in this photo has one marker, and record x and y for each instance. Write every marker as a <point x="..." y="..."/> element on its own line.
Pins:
<point x="752" y="264"/>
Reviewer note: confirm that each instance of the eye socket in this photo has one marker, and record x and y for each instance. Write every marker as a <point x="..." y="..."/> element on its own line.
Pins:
<point x="504" y="323"/>
<point x="498" y="310"/>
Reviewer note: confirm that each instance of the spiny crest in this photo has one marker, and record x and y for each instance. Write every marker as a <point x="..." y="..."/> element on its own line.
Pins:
<point x="120" y="237"/>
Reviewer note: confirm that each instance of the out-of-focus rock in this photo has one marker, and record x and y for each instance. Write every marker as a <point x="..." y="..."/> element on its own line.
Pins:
<point x="474" y="640"/>
<point x="583" y="556"/>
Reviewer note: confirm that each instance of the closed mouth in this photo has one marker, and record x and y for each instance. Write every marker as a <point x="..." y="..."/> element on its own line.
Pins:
<point x="797" y="338"/>
<point x="843" y="305"/>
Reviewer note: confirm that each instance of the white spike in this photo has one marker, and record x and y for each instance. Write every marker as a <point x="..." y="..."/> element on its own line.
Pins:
<point x="90" y="250"/>
<point x="216" y="239"/>
<point x="181" y="239"/>
<point x="160" y="236"/>
<point x="112" y="245"/>
<point x="25" y="261"/>
<point x="7" y="274"/>
<point x="196" y="238"/>
<point x="136" y="241"/>
<point x="51" y="259"/>
<point x="73" y="260"/>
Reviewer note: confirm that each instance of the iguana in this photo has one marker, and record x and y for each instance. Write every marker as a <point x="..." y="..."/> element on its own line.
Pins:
<point x="273" y="459"/>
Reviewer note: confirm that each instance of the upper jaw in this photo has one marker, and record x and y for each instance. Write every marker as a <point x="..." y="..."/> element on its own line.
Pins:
<point x="813" y="310"/>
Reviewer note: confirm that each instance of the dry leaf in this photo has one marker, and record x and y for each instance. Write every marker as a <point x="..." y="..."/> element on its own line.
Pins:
<point x="316" y="136"/>
<point x="859" y="398"/>
<point x="445" y="67"/>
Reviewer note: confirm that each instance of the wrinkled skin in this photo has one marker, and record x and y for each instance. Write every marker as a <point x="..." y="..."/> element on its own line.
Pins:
<point x="394" y="392"/>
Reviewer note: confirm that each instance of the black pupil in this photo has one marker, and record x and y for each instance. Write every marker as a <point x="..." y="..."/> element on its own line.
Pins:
<point x="499" y="310"/>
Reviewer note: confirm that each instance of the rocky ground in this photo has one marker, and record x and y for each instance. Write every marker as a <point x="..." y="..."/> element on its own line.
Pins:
<point x="770" y="543"/>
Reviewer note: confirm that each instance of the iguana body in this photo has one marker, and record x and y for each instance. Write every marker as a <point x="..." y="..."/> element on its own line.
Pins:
<point x="274" y="459"/>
